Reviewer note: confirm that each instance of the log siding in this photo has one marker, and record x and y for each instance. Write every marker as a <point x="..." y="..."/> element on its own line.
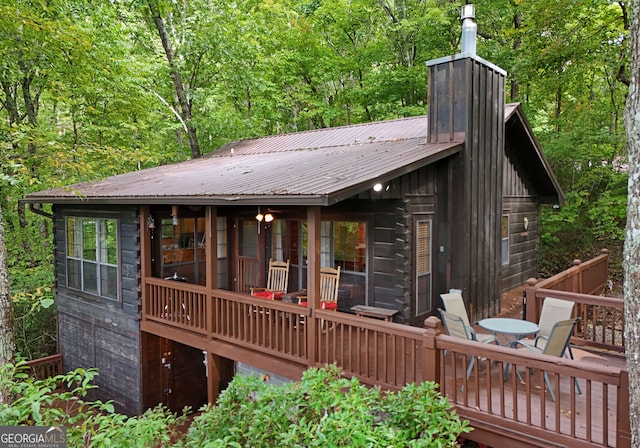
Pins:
<point x="98" y="332"/>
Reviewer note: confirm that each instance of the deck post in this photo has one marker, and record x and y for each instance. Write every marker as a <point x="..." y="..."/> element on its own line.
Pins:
<point x="313" y="279"/>
<point x="211" y="244"/>
<point x="145" y="257"/>
<point x="533" y="309"/>
<point x="431" y="355"/>
<point x="623" y="431"/>
<point x="577" y="278"/>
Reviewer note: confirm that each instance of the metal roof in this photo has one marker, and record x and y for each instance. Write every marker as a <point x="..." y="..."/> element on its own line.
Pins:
<point x="318" y="167"/>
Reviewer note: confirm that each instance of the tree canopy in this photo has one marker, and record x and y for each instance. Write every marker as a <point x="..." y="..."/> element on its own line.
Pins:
<point x="92" y="89"/>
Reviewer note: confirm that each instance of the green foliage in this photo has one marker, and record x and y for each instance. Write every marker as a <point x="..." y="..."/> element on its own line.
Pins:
<point x="60" y="401"/>
<point x="325" y="409"/>
<point x="34" y="312"/>
<point x="593" y="218"/>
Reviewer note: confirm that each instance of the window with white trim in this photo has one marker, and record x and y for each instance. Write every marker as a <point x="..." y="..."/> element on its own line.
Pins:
<point x="505" y="240"/>
<point x="92" y="255"/>
<point x="423" y="246"/>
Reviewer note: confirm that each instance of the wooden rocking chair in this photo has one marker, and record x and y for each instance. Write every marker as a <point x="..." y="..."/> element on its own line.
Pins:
<point x="276" y="282"/>
<point x="329" y="283"/>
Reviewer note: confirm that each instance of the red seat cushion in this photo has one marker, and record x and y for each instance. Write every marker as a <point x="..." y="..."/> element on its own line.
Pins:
<point x="323" y="305"/>
<point x="262" y="294"/>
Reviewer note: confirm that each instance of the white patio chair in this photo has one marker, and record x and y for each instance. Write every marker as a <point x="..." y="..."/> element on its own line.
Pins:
<point x="455" y="326"/>
<point x="556" y="345"/>
<point x="454" y="304"/>
<point x="553" y="311"/>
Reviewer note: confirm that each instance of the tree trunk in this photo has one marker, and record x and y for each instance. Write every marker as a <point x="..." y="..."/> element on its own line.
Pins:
<point x="7" y="342"/>
<point x="185" y="103"/>
<point x="631" y="260"/>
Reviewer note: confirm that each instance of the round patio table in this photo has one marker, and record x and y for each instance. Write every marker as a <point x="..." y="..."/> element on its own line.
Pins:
<point x="510" y="329"/>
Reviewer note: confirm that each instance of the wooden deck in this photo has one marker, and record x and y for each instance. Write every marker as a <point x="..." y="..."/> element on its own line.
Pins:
<point x="286" y="338"/>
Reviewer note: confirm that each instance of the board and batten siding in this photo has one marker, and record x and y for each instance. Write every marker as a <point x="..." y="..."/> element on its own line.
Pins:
<point x="100" y="332"/>
<point x="523" y="243"/>
<point x="519" y="202"/>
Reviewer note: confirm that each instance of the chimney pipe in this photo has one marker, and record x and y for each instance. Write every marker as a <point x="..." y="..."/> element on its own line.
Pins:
<point x="469" y="30"/>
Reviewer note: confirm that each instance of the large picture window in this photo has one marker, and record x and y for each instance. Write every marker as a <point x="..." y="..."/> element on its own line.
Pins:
<point x="92" y="255"/>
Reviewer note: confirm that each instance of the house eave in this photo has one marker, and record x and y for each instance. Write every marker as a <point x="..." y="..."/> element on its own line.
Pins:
<point x="321" y="200"/>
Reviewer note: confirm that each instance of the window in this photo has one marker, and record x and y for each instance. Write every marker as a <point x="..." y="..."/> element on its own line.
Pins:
<point x="183" y="249"/>
<point x="344" y="244"/>
<point x="222" y="249"/>
<point x="505" y="240"/>
<point x="423" y="267"/>
<point x="92" y="255"/>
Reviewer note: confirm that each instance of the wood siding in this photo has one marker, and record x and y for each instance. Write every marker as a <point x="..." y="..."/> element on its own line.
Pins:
<point x="523" y="244"/>
<point x="466" y="96"/>
<point x="519" y="203"/>
<point x="98" y="332"/>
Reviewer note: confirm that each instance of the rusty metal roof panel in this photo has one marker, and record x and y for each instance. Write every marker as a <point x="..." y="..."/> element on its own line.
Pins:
<point x="290" y="168"/>
<point x="389" y="130"/>
<point x="312" y="167"/>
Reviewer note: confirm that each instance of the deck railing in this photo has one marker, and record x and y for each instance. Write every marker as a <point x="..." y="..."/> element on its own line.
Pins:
<point x="602" y="323"/>
<point x="390" y="355"/>
<point x="602" y="318"/>
<point x="497" y="400"/>
<point x="379" y="353"/>
<point x="589" y="277"/>
<point x="271" y="327"/>
<point x="46" y="367"/>
<point x="500" y="408"/>
<point x="181" y="304"/>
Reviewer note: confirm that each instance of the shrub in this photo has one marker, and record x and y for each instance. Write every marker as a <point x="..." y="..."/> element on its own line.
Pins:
<point x="325" y="409"/>
<point x="59" y="401"/>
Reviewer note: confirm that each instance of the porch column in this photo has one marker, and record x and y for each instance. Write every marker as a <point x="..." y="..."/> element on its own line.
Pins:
<point x="313" y="278"/>
<point x="211" y="276"/>
<point x="145" y="254"/>
<point x="211" y="245"/>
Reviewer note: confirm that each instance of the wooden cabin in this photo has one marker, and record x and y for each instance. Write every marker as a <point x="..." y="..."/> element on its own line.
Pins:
<point x="407" y="208"/>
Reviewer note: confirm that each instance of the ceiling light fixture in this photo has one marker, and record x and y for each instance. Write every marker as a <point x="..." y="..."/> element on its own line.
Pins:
<point x="174" y="215"/>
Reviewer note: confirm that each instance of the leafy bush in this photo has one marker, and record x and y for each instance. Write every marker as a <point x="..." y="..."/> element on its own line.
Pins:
<point x="59" y="401"/>
<point x="32" y="293"/>
<point x="325" y="409"/>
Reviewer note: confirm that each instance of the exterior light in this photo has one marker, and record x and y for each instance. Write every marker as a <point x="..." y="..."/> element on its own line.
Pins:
<point x="377" y="188"/>
<point x="268" y="217"/>
<point x="151" y="224"/>
<point x="259" y="217"/>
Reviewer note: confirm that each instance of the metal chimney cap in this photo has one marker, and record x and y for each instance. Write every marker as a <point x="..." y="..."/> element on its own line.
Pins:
<point x="468" y="12"/>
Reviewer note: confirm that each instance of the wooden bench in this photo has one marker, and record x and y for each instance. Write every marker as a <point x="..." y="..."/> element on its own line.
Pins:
<point x="375" y="312"/>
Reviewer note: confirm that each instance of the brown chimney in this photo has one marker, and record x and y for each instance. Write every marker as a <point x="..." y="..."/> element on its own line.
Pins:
<point x="464" y="89"/>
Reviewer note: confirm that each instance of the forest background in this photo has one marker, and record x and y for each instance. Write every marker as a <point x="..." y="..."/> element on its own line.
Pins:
<point x="95" y="88"/>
